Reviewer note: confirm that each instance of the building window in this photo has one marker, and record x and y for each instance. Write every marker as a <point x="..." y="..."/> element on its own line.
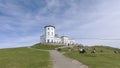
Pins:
<point x="48" y="41"/>
<point x="52" y="33"/>
<point x="48" y="28"/>
<point x="52" y="41"/>
<point x="48" y="33"/>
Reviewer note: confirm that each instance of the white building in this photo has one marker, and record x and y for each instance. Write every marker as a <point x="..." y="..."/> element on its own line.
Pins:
<point x="49" y="36"/>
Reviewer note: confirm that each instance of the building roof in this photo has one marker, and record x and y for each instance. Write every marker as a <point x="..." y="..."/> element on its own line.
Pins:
<point x="63" y="36"/>
<point x="49" y="26"/>
<point x="56" y="35"/>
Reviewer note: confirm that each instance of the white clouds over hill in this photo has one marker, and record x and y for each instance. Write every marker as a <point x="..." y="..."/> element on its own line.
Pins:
<point x="75" y="18"/>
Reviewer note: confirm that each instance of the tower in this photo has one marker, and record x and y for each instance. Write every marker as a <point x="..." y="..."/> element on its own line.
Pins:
<point x="49" y="33"/>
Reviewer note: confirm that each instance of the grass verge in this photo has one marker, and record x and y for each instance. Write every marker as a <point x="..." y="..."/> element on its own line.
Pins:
<point x="45" y="46"/>
<point x="24" y="58"/>
<point x="103" y="58"/>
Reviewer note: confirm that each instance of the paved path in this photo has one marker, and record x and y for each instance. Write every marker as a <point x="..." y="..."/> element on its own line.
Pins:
<point x="60" y="61"/>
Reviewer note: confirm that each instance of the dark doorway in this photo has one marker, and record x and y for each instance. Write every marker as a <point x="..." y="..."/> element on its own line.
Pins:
<point x="52" y="41"/>
<point x="48" y="41"/>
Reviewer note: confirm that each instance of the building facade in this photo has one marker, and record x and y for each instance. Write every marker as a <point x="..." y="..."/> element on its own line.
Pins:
<point x="49" y="36"/>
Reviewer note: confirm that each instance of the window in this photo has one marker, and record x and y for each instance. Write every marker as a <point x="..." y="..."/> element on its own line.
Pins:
<point x="52" y="28"/>
<point x="52" y="41"/>
<point x="52" y="33"/>
<point x="48" y="28"/>
<point x="48" y="33"/>
<point x="48" y="41"/>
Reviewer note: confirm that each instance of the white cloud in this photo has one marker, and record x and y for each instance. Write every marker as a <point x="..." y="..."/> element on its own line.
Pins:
<point x="75" y="18"/>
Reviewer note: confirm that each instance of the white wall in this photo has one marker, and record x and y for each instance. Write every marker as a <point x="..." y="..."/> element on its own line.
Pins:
<point x="65" y="40"/>
<point x="58" y="40"/>
<point x="49" y="34"/>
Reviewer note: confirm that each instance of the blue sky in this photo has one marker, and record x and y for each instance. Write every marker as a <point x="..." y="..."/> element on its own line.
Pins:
<point x="22" y="21"/>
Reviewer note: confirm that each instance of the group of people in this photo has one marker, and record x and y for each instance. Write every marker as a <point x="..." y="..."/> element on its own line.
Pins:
<point x="83" y="50"/>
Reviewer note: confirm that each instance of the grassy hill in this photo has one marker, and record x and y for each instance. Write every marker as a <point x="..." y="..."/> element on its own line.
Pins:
<point x="24" y="58"/>
<point x="105" y="57"/>
<point x="35" y="56"/>
<point x="45" y="46"/>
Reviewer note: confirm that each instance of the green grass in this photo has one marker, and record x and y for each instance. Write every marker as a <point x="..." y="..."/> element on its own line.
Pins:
<point x="24" y="58"/>
<point x="104" y="57"/>
<point x="45" y="46"/>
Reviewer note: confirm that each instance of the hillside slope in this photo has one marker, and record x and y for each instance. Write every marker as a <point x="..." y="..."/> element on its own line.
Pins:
<point x="105" y="57"/>
<point x="45" y="46"/>
<point x="24" y="58"/>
